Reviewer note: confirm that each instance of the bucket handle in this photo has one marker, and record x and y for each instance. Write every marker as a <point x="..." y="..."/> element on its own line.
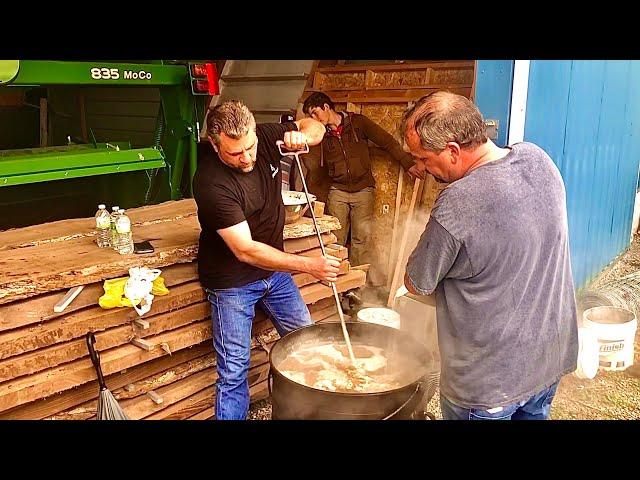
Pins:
<point x="405" y="403"/>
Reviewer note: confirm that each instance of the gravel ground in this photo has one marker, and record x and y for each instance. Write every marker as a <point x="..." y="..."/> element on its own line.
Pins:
<point x="609" y="396"/>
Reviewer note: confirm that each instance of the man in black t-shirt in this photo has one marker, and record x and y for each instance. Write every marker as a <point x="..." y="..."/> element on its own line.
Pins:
<point x="241" y="261"/>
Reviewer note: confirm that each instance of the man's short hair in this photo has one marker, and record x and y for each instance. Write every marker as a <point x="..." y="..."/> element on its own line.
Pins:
<point x="442" y="117"/>
<point x="317" y="99"/>
<point x="232" y="117"/>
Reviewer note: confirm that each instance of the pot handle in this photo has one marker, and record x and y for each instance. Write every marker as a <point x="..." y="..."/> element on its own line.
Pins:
<point x="418" y="386"/>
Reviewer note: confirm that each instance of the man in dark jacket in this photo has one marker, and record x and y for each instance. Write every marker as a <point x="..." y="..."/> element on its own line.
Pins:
<point x="345" y="152"/>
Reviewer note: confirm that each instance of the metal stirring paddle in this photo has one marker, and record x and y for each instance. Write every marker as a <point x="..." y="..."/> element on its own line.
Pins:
<point x="280" y="143"/>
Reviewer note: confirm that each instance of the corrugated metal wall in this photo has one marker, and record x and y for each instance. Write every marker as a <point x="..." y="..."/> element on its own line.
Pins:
<point x="493" y="93"/>
<point x="586" y="115"/>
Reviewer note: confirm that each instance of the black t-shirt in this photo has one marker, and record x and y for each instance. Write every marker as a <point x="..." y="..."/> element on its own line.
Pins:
<point x="226" y="197"/>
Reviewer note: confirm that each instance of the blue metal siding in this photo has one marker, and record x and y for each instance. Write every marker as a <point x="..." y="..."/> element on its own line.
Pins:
<point x="493" y="93"/>
<point x="586" y="116"/>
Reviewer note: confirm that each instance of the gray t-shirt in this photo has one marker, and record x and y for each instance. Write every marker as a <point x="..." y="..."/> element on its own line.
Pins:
<point x="496" y="252"/>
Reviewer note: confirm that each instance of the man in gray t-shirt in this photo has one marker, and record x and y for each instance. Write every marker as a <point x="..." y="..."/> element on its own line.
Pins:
<point x="496" y="252"/>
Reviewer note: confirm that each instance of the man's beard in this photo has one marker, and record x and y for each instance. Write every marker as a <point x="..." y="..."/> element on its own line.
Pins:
<point x="247" y="169"/>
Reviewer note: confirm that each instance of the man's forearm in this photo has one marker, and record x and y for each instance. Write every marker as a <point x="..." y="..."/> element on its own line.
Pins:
<point x="313" y="130"/>
<point x="266" y="257"/>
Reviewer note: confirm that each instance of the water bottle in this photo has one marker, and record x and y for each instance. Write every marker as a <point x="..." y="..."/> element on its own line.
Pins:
<point x="124" y="242"/>
<point x="112" y="225"/>
<point x="103" y="227"/>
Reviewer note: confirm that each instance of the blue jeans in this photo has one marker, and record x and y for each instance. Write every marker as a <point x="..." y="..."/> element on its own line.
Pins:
<point x="232" y="312"/>
<point x="537" y="407"/>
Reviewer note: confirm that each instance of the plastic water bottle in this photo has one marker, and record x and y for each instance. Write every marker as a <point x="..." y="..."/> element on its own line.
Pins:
<point x="124" y="238"/>
<point x="112" y="225"/>
<point x="103" y="227"/>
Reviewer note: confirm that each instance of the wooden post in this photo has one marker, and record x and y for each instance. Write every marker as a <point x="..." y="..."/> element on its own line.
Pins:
<point x="417" y="191"/>
<point x="394" y="232"/>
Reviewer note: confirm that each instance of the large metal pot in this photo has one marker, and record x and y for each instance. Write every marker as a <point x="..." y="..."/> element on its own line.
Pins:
<point x="292" y="400"/>
<point x="295" y="205"/>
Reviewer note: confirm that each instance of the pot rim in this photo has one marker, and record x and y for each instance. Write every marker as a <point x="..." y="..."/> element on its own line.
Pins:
<point x="274" y="370"/>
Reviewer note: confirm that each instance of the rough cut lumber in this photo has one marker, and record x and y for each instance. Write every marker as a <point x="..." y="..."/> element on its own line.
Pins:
<point x="204" y="399"/>
<point x="324" y="313"/>
<point x="304" y="227"/>
<point x="173" y="385"/>
<point x="42" y="268"/>
<point x="303" y="279"/>
<point x="64" y="230"/>
<point x="44" y="407"/>
<point x="334" y="250"/>
<point x="24" y="339"/>
<point x="205" y="414"/>
<point x="54" y="355"/>
<point x="353" y="279"/>
<point x="30" y="271"/>
<point x="40" y="308"/>
<point x="31" y="387"/>
<point x="296" y="245"/>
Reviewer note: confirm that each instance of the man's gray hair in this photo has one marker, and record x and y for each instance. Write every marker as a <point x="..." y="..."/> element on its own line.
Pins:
<point x="442" y="117"/>
<point x="232" y="118"/>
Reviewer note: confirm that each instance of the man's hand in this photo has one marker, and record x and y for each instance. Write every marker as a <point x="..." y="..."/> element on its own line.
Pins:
<point x="295" y="140"/>
<point x="324" y="268"/>
<point x="418" y="171"/>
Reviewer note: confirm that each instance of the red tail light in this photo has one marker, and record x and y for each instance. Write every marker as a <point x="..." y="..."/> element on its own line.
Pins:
<point x="205" y="78"/>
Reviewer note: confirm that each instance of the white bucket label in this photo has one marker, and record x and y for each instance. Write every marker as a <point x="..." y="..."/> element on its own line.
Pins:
<point x="611" y="346"/>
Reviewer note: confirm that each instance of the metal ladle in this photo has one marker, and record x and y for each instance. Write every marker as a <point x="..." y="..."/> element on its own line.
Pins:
<point x="280" y="143"/>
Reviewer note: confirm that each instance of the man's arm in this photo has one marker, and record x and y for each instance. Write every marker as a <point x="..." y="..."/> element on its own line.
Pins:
<point x="312" y="129"/>
<point x="238" y="239"/>
<point x="384" y="140"/>
<point x="433" y="260"/>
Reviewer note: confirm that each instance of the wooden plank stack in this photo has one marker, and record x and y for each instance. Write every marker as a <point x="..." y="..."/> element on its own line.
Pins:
<point x="160" y="365"/>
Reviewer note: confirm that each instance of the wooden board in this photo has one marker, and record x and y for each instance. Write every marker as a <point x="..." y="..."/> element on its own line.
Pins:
<point x="65" y="230"/>
<point x="317" y="291"/>
<point x="74" y="325"/>
<point x="205" y="414"/>
<point x="304" y="227"/>
<point x="303" y="279"/>
<point x="40" y="308"/>
<point x="30" y="271"/>
<point x="57" y="379"/>
<point x="296" y="245"/>
<point x="44" y="407"/>
<point x="54" y="355"/>
<point x="333" y="250"/>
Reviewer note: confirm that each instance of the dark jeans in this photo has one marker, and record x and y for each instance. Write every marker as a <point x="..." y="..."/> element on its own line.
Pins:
<point x="538" y="407"/>
<point x="232" y="313"/>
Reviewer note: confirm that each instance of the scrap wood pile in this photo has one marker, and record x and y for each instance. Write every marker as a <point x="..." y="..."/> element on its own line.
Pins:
<point x="158" y="366"/>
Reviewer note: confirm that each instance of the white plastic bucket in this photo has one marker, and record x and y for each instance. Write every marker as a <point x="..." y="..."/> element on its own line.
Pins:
<point x="381" y="316"/>
<point x="615" y="329"/>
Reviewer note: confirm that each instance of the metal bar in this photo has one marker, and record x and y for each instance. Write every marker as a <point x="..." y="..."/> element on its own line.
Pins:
<point x="37" y="72"/>
<point x="77" y="173"/>
<point x="41" y="163"/>
<point x="279" y="143"/>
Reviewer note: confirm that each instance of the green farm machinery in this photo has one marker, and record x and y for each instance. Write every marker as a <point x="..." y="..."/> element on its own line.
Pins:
<point x="75" y="134"/>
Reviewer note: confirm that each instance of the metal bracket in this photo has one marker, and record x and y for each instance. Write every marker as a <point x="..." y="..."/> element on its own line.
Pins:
<point x="492" y="128"/>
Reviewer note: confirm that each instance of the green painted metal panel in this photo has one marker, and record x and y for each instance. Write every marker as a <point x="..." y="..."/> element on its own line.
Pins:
<point x="35" y="72"/>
